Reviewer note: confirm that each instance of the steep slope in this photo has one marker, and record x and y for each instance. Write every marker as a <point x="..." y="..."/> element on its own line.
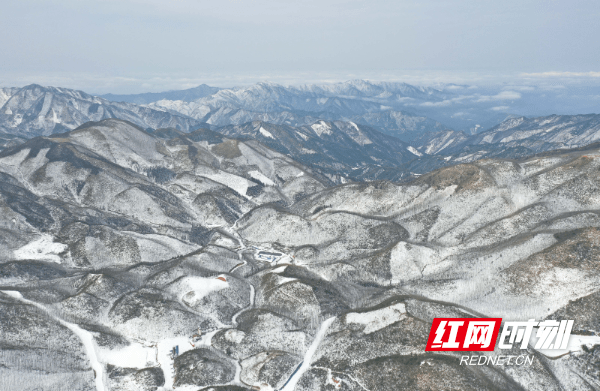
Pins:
<point x="516" y="138"/>
<point x="332" y="146"/>
<point x="403" y="125"/>
<point x="35" y="110"/>
<point x="560" y="131"/>
<point x="441" y="143"/>
<point x="344" y="150"/>
<point x="5" y="94"/>
<point x="9" y="140"/>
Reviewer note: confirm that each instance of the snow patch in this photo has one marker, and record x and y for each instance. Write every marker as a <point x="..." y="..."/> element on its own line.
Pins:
<point x="280" y="269"/>
<point x="234" y="335"/>
<point x="261" y="177"/>
<point x="378" y="319"/>
<point x="235" y="182"/>
<point x="55" y="118"/>
<point x="355" y="126"/>
<point x="266" y="133"/>
<point x="13" y="294"/>
<point x="412" y="150"/>
<point x="42" y="249"/>
<point x="192" y="289"/>
<point x="321" y="128"/>
<point x="305" y="137"/>
<point x="360" y="137"/>
<point x="133" y="356"/>
<point x="487" y="138"/>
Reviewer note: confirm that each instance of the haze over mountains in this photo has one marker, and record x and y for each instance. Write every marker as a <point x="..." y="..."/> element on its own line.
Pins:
<point x="288" y="238"/>
<point x="189" y="95"/>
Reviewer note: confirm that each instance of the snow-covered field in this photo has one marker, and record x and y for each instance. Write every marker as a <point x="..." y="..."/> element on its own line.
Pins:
<point x="42" y="249"/>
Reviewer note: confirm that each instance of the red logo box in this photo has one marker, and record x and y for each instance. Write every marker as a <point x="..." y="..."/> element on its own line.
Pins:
<point x="463" y="334"/>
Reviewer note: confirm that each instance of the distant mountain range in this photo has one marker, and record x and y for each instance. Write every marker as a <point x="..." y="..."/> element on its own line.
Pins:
<point x="35" y="110"/>
<point x="369" y="103"/>
<point x="351" y="131"/>
<point x="188" y="95"/>
<point x="515" y="138"/>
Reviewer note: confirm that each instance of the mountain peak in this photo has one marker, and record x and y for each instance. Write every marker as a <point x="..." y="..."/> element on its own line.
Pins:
<point x="269" y="85"/>
<point x="33" y="86"/>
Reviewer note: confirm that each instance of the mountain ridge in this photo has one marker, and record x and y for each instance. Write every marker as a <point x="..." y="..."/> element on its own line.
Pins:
<point x="530" y="135"/>
<point x="35" y="110"/>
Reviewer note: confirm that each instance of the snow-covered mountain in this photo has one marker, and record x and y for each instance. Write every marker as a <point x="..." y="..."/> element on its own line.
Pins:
<point x="561" y="131"/>
<point x="441" y="142"/>
<point x="333" y="146"/>
<point x="35" y="110"/>
<point x="360" y="101"/>
<point x="270" y="97"/>
<point x="389" y="158"/>
<point x="9" y="140"/>
<point x="468" y="108"/>
<point x="132" y="260"/>
<point x="5" y="94"/>
<point x="348" y="98"/>
<point x="398" y="109"/>
<point x="341" y="150"/>
<point x="516" y="138"/>
<point x="374" y="89"/>
<point x="405" y="126"/>
<point x="293" y="113"/>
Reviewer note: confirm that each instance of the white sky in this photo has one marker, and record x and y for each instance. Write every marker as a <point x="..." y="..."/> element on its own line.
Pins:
<point x="126" y="46"/>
